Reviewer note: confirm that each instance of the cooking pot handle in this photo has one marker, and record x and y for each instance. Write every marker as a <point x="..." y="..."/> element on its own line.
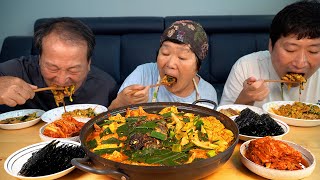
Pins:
<point x="207" y="101"/>
<point x="81" y="164"/>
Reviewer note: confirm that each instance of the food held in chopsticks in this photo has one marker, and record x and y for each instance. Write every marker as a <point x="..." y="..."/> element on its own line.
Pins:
<point x="60" y="94"/>
<point x="20" y="119"/>
<point x="298" y="110"/>
<point x="275" y="154"/>
<point x="63" y="128"/>
<point x="51" y="159"/>
<point x="168" y="80"/>
<point x="296" y="78"/>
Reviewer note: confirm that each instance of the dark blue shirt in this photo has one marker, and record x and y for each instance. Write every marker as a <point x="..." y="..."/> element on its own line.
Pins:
<point x="98" y="88"/>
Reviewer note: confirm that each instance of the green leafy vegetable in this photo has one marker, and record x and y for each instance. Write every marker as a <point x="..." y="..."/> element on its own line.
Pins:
<point x="159" y="156"/>
<point x="158" y="135"/>
<point x="106" y="151"/>
<point x="105" y="132"/>
<point x="92" y="144"/>
<point x="111" y="141"/>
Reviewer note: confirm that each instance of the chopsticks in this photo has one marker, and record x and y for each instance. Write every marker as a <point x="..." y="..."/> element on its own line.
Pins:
<point x="48" y="88"/>
<point x="155" y="85"/>
<point x="281" y="81"/>
<point x="134" y="91"/>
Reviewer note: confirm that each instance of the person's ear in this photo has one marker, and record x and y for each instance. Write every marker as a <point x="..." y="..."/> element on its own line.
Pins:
<point x="89" y="64"/>
<point x="270" y="46"/>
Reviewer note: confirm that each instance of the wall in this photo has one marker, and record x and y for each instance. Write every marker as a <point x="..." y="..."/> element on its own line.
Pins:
<point x="17" y="16"/>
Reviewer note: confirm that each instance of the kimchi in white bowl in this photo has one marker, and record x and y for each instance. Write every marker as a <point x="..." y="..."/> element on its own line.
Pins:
<point x="66" y="128"/>
<point x="289" y="166"/>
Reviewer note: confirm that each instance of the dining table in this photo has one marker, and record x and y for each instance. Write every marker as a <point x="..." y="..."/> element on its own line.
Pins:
<point x="308" y="137"/>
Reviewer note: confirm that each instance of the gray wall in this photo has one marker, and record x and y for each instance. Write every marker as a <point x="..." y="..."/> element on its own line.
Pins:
<point x="17" y="16"/>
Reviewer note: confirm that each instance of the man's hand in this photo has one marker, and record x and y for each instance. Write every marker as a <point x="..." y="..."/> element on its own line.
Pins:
<point x="253" y="90"/>
<point x="14" y="91"/>
<point x="133" y="94"/>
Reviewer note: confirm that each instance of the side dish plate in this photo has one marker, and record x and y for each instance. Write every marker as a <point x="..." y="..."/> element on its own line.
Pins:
<point x="283" y="125"/>
<point x="14" y="162"/>
<point x="279" y="174"/>
<point x="18" y="113"/>
<point x="55" y="114"/>
<point x="240" y="107"/>
<point x="290" y="121"/>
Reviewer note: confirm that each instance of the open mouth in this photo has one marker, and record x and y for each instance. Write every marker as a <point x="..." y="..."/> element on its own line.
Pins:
<point x="301" y="74"/>
<point x="296" y="77"/>
<point x="168" y="80"/>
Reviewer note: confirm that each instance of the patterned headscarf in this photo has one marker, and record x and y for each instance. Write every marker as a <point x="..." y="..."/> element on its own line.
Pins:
<point x="190" y="33"/>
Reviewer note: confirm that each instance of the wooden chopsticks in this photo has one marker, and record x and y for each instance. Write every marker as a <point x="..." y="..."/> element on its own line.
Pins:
<point x="281" y="81"/>
<point x="134" y="91"/>
<point x="155" y="85"/>
<point x="48" y="88"/>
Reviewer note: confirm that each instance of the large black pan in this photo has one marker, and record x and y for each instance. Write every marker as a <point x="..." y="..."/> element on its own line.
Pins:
<point x="195" y="170"/>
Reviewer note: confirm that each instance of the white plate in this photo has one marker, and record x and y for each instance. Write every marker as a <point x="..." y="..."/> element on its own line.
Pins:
<point x="55" y="114"/>
<point x="280" y="174"/>
<point x="47" y="138"/>
<point x="14" y="162"/>
<point x="290" y="121"/>
<point x="284" y="126"/>
<point x="18" y="113"/>
<point x="240" y="107"/>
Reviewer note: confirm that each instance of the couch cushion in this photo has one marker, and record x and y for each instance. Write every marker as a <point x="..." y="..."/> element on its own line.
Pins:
<point x="138" y="49"/>
<point x="15" y="46"/>
<point x="119" y="25"/>
<point x="106" y="55"/>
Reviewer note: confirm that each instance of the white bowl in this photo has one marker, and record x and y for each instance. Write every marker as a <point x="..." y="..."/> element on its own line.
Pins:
<point x="280" y="174"/>
<point x="18" y="113"/>
<point x="284" y="126"/>
<point x="14" y="162"/>
<point x="47" y="138"/>
<point x="55" y="114"/>
<point x="290" y="121"/>
<point x="240" y="107"/>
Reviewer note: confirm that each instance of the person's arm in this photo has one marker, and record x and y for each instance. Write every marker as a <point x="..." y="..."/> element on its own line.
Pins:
<point x="242" y="87"/>
<point x="135" y="88"/>
<point x="14" y="91"/>
<point x="132" y="94"/>
<point x="253" y="90"/>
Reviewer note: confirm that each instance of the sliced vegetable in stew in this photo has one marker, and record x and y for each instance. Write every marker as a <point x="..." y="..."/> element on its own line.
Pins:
<point x="166" y="138"/>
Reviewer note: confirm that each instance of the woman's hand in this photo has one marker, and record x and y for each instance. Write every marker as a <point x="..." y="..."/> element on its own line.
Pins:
<point x="253" y="90"/>
<point x="132" y="94"/>
<point x="14" y="91"/>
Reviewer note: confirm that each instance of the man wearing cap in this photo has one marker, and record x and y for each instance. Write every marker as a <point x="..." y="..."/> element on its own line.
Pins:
<point x="183" y="46"/>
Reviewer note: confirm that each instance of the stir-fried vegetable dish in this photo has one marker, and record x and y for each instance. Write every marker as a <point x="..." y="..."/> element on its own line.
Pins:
<point x="20" y="119"/>
<point x="60" y="94"/>
<point x="89" y="112"/>
<point x="169" y="138"/>
<point x="298" y="110"/>
<point x="274" y="154"/>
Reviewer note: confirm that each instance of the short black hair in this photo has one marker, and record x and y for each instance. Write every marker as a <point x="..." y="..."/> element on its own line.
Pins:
<point x="300" y="18"/>
<point x="70" y="28"/>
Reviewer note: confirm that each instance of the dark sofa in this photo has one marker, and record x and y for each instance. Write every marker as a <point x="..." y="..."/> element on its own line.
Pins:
<point x="125" y="42"/>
